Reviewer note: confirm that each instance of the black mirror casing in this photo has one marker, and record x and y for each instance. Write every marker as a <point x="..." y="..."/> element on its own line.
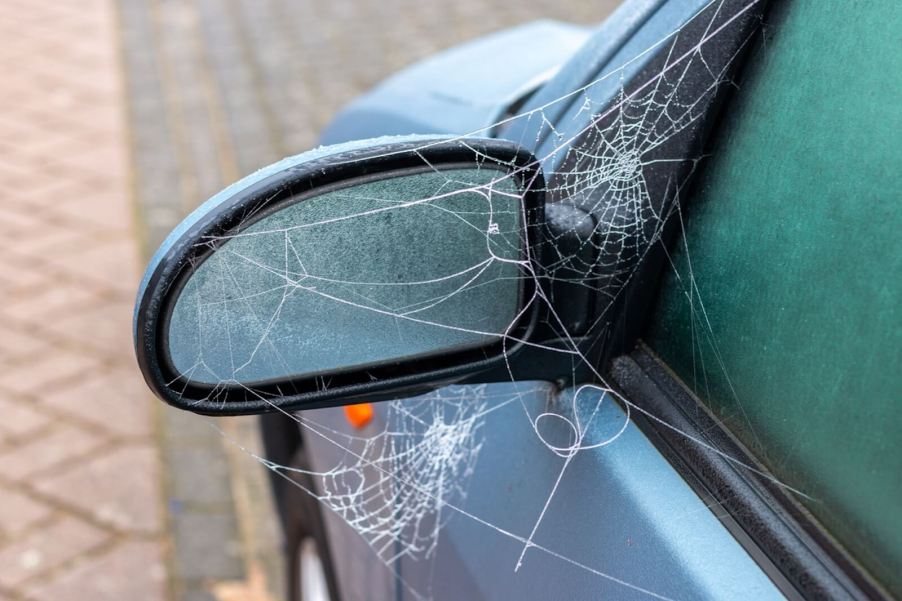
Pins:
<point x="295" y="180"/>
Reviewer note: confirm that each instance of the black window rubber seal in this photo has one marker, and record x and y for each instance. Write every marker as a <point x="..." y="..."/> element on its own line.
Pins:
<point x="798" y="554"/>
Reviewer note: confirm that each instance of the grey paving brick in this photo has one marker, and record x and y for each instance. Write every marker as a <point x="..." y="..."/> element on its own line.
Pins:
<point x="181" y="428"/>
<point x="207" y="547"/>
<point x="198" y="476"/>
<point x="196" y="595"/>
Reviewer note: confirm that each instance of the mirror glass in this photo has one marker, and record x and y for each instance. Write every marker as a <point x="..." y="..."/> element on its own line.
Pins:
<point x="414" y="265"/>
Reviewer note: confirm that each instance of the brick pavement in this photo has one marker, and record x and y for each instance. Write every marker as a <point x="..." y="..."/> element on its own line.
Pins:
<point x="81" y="513"/>
<point x="104" y="494"/>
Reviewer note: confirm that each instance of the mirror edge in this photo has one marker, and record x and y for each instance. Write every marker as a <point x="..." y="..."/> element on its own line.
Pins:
<point x="313" y="169"/>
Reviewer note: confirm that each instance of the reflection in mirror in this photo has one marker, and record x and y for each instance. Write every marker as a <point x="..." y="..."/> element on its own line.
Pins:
<point x="414" y="265"/>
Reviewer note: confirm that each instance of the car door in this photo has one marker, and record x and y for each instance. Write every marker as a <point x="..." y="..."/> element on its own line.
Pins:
<point x="625" y="513"/>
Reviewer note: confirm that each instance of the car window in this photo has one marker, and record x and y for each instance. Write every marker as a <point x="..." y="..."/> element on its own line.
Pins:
<point x="781" y="312"/>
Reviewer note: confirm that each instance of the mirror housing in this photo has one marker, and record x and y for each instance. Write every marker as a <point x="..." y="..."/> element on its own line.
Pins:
<point x="260" y="300"/>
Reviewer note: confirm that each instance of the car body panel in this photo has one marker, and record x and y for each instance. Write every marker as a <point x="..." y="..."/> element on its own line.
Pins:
<point x="617" y="51"/>
<point x="461" y="90"/>
<point x="606" y="532"/>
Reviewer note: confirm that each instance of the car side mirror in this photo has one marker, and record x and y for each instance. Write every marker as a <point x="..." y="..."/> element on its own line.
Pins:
<point x="367" y="270"/>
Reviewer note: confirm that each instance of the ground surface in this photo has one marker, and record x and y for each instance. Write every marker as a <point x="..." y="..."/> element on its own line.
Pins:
<point x="116" y="119"/>
<point x="80" y="473"/>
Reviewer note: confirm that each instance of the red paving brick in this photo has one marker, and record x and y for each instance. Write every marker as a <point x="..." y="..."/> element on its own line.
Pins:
<point x="38" y="454"/>
<point x="19" y="512"/>
<point x="19" y="420"/>
<point x="116" y="488"/>
<point x="114" y="400"/>
<point x="131" y="570"/>
<point x="81" y="500"/>
<point x="47" y="548"/>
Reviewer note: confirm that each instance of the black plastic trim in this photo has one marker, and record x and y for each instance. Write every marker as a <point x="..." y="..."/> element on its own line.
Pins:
<point x="787" y="535"/>
<point x="725" y="29"/>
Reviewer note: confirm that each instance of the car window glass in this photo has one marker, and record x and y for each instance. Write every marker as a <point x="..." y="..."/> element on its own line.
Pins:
<point x="782" y="312"/>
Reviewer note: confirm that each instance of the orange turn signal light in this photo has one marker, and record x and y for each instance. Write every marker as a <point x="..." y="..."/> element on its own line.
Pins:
<point x="359" y="415"/>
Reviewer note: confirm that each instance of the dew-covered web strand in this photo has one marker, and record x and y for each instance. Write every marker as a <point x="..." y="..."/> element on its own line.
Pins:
<point x="401" y="478"/>
<point x="393" y="488"/>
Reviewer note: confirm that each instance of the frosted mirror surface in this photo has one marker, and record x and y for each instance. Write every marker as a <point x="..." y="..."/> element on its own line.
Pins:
<point x="413" y="265"/>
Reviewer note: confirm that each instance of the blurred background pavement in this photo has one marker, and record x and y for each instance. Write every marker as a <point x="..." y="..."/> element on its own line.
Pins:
<point x="117" y="117"/>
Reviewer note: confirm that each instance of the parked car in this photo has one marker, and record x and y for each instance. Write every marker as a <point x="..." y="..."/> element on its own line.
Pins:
<point x="574" y="313"/>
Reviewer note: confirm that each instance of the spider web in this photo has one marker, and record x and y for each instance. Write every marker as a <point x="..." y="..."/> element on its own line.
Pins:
<point x="399" y="487"/>
<point x="434" y="439"/>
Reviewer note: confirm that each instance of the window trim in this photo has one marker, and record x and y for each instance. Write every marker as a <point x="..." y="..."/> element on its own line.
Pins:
<point x="780" y="534"/>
